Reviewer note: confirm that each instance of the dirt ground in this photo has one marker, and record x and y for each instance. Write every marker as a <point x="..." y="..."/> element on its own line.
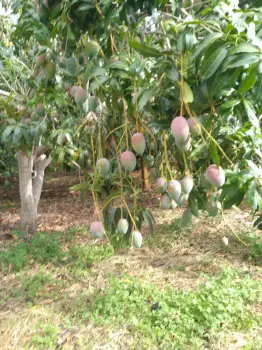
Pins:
<point x="61" y="208"/>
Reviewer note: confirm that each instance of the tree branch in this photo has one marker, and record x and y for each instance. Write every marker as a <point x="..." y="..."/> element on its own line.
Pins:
<point x="39" y="151"/>
<point x="40" y="165"/>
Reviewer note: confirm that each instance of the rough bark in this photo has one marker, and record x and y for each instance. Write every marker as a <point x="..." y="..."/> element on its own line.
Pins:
<point x="31" y="177"/>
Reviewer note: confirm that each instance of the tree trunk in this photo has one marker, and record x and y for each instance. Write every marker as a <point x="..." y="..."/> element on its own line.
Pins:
<point x="31" y="177"/>
<point x="145" y="175"/>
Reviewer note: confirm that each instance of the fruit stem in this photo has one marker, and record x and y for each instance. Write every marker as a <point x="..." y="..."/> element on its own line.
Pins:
<point x="233" y="231"/>
<point x="185" y="163"/>
<point x="145" y="127"/>
<point x="211" y="137"/>
<point x="129" y="212"/>
<point x="83" y="124"/>
<point x="99" y="217"/>
<point x="166" y="156"/>
<point x="100" y="153"/>
<point x="98" y="9"/>
<point x="137" y="114"/>
<point x="161" y="170"/>
<point x="181" y="85"/>
<point x="120" y="141"/>
<point x="115" y="129"/>
<point x="93" y="153"/>
<point x="126" y="122"/>
<point x="121" y="184"/>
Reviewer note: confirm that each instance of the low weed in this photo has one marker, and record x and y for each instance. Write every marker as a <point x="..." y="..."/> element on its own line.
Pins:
<point x="42" y="248"/>
<point x="48" y="248"/>
<point x="81" y="258"/>
<point x="164" y="235"/>
<point x="46" y="336"/>
<point x="185" y="319"/>
<point x="14" y="257"/>
<point x="255" y="249"/>
<point x="34" y="285"/>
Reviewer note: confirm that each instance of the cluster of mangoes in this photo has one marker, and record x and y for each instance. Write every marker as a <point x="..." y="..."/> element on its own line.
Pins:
<point x="173" y="192"/>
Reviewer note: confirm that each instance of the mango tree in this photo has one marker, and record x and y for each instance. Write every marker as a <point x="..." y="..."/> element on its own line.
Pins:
<point x="176" y="81"/>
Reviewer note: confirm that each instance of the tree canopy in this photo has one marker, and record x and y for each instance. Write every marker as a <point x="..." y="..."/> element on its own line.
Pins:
<point x="139" y="64"/>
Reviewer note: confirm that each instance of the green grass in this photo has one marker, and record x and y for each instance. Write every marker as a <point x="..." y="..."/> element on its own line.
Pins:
<point x="53" y="273"/>
<point x="49" y="248"/>
<point x="165" y="234"/>
<point x="186" y="319"/>
<point x="6" y="206"/>
<point x="81" y="258"/>
<point x="43" y="248"/>
<point x="46" y="336"/>
<point x="255" y="250"/>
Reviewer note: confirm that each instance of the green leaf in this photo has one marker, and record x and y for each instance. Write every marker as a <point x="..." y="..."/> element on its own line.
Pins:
<point x="212" y="63"/>
<point x="160" y="124"/>
<point x="118" y="65"/>
<point x="70" y="151"/>
<point x="68" y="137"/>
<point x="61" y="156"/>
<point x="225" y="79"/>
<point x="257" y="91"/>
<point x="17" y="135"/>
<point x="187" y="93"/>
<point x="249" y="81"/>
<point x="147" y="51"/>
<point x="230" y="104"/>
<point x="113" y="195"/>
<point x="258" y="222"/>
<point x="145" y="97"/>
<point x="209" y="39"/>
<point x="173" y="74"/>
<point x="8" y="130"/>
<point x="80" y="187"/>
<point x="251" y="114"/>
<point x="253" y="197"/>
<point x="60" y="138"/>
<point x="181" y="42"/>
<point x="235" y="198"/>
<point x="98" y="82"/>
<point x="174" y="4"/>
<point x="244" y="47"/>
<point x="232" y="194"/>
<point x="214" y="153"/>
<point x="242" y="60"/>
<point x="97" y="73"/>
<point x="85" y="7"/>
<point x="70" y="34"/>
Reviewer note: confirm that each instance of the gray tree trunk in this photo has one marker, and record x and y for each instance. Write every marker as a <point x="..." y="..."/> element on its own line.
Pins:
<point x="31" y="178"/>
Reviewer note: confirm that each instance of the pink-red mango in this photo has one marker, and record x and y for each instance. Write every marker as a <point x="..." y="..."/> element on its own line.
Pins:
<point x="215" y="175"/>
<point x="128" y="160"/>
<point x="138" y="143"/>
<point x="180" y="129"/>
